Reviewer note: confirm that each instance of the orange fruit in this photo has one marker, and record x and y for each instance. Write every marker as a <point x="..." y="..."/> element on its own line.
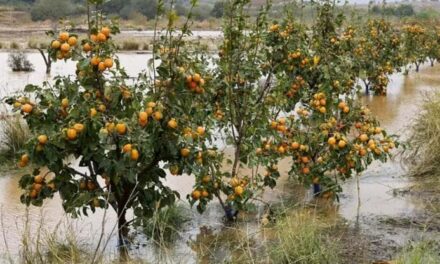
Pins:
<point x="87" y="47"/>
<point x="234" y="182"/>
<point x="196" y="194"/>
<point x="93" y="112"/>
<point x="64" y="36"/>
<point x="185" y="152"/>
<point x="102" y="108"/>
<point x="346" y="109"/>
<point x="151" y="104"/>
<point x="306" y="170"/>
<point x="38" y="179"/>
<point x="72" y="41"/>
<point x="206" y="179"/>
<point x="149" y="110"/>
<point x="24" y="158"/>
<point x="101" y="66"/>
<point x="95" y="61"/>
<point x="27" y="108"/>
<point x="126" y="148"/>
<point x="78" y="127"/>
<point x="94" y="38"/>
<point x="65" y="102"/>
<point x="281" y="150"/>
<point x="172" y="123"/>
<point x="106" y="31"/>
<point x="305" y="159"/>
<point x="205" y="193"/>
<point x="295" y="145"/>
<point x="121" y="128"/>
<point x="71" y="134"/>
<point x="37" y="187"/>
<point x="55" y="44"/>
<point x="196" y="77"/>
<point x="200" y="130"/>
<point x="65" y="47"/>
<point x="157" y="115"/>
<point x="101" y="37"/>
<point x="143" y="116"/>
<point x="363" y="137"/>
<point x="42" y="139"/>
<point x="342" y="144"/>
<point x="108" y="63"/>
<point x="33" y="194"/>
<point x="238" y="190"/>
<point x="134" y="155"/>
<point x="331" y="141"/>
<point x="341" y="105"/>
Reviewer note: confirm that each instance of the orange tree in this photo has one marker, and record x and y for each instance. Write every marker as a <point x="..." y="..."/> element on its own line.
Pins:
<point x="328" y="134"/>
<point x="414" y="40"/>
<point x="377" y="54"/>
<point x="244" y="99"/>
<point x="119" y="131"/>
<point x="432" y="44"/>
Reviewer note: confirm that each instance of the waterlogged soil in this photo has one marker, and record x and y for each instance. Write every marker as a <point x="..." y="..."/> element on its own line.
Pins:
<point x="373" y="223"/>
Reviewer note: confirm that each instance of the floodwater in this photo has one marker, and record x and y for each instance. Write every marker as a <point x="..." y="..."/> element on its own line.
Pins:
<point x="363" y="209"/>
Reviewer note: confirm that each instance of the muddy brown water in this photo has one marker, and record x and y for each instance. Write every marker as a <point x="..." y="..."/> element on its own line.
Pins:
<point x="364" y="210"/>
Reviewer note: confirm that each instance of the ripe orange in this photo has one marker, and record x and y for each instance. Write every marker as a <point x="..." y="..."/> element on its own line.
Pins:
<point x="234" y="182"/>
<point x="363" y="137"/>
<point x="205" y="193"/>
<point x="305" y="159"/>
<point x="306" y="170"/>
<point x="341" y="105"/>
<point x="126" y="148"/>
<point x="93" y="112"/>
<point x="71" y="134"/>
<point x="108" y="63"/>
<point x="42" y="139"/>
<point x="101" y="66"/>
<point x="346" y="109"/>
<point x="33" y="194"/>
<point x="295" y="145"/>
<point x="172" y="123"/>
<point x="94" y="38"/>
<point x="101" y="37"/>
<point x="24" y="159"/>
<point x="65" y="102"/>
<point x="157" y="115"/>
<point x="110" y="127"/>
<point x="200" y="130"/>
<point x="27" y="108"/>
<point x="238" y="190"/>
<point x="196" y="77"/>
<point x="185" y="152"/>
<point x="87" y="47"/>
<point x="143" y="116"/>
<point x="134" y="155"/>
<point x="206" y="179"/>
<point x="106" y="31"/>
<point x="55" y="44"/>
<point x="332" y="141"/>
<point x="281" y="150"/>
<point x="151" y="104"/>
<point x="342" y="144"/>
<point x="196" y="194"/>
<point x="64" y="36"/>
<point x="95" y="61"/>
<point x="78" y="127"/>
<point x="189" y="79"/>
<point x="38" y="179"/>
<point x="72" y="41"/>
<point x="37" y="187"/>
<point x="121" y="128"/>
<point x="65" y="47"/>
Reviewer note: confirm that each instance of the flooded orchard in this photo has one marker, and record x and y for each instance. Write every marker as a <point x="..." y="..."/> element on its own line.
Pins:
<point x="376" y="210"/>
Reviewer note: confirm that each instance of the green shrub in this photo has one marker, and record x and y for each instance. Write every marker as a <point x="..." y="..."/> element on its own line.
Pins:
<point x="14" y="134"/>
<point x="19" y="62"/>
<point x="425" y="252"/>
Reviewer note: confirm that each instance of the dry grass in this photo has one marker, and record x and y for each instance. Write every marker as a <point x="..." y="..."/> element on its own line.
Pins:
<point x="422" y="157"/>
<point x="424" y="252"/>
<point x="15" y="133"/>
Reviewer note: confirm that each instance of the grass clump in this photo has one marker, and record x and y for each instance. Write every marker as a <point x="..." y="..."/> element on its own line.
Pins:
<point x="425" y="252"/>
<point x="14" y="45"/>
<point x="130" y="45"/>
<point x="13" y="136"/>
<point x="19" y="62"/>
<point x="302" y="238"/>
<point x="164" y="226"/>
<point x="423" y="156"/>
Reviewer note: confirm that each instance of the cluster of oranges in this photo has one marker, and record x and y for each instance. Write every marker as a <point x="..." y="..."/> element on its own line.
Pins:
<point x="152" y="110"/>
<point x="64" y="45"/>
<point x="195" y="83"/>
<point x="101" y="64"/>
<point x="73" y="132"/>
<point x="36" y="186"/>
<point x="295" y="86"/>
<point x="319" y="102"/>
<point x="132" y="151"/>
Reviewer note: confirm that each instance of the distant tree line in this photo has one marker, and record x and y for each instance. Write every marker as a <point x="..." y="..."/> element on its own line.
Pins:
<point x="126" y="9"/>
<point x="402" y="10"/>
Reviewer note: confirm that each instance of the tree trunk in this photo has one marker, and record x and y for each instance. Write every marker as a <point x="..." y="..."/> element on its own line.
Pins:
<point x="123" y="200"/>
<point x="432" y="63"/>
<point x="417" y="67"/>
